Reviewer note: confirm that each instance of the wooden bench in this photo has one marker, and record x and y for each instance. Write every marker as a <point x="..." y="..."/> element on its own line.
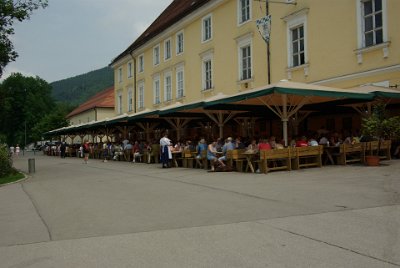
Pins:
<point x="351" y="153"/>
<point x="384" y="149"/>
<point x="187" y="159"/>
<point x="309" y="156"/>
<point x="275" y="159"/>
<point x="235" y="158"/>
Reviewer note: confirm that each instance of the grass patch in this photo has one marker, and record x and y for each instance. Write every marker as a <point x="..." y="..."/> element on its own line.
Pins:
<point x="11" y="178"/>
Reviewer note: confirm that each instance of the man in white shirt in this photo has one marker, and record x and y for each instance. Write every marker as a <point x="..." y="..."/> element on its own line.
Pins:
<point x="165" y="151"/>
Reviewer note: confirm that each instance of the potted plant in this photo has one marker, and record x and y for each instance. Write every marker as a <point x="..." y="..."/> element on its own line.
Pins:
<point x="379" y="126"/>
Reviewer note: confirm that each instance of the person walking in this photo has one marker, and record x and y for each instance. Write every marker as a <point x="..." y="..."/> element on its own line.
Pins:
<point x="17" y="150"/>
<point x="86" y="150"/>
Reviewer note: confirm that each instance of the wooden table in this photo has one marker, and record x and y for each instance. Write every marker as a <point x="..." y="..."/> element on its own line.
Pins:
<point x="329" y="151"/>
<point x="249" y="158"/>
<point x="174" y="158"/>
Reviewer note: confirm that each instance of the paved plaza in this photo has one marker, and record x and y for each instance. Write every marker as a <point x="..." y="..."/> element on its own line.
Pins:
<point x="119" y="214"/>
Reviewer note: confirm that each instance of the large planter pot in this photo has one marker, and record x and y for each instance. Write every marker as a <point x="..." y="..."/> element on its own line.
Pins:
<point x="372" y="160"/>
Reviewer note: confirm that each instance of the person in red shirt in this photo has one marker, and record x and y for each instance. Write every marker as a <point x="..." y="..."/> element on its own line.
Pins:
<point x="302" y="142"/>
<point x="264" y="145"/>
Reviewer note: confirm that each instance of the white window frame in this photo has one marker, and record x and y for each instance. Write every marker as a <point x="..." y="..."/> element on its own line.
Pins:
<point x="207" y="58"/>
<point x="120" y="75"/>
<point x="168" y="86"/>
<point x="129" y="70"/>
<point x="156" y="55"/>
<point x="130" y="99"/>
<point x="361" y="26"/>
<point x="297" y="43"/>
<point x="119" y="102"/>
<point x="141" y="63"/>
<point x="156" y="90"/>
<point x="141" y="95"/>
<point x="241" y="9"/>
<point x="294" y="21"/>
<point x="243" y="42"/>
<point x="180" y="43"/>
<point x="206" y="30"/>
<point x="180" y="82"/>
<point x="167" y="49"/>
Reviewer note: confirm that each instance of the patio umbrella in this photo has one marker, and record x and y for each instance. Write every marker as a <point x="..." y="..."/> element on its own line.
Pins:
<point x="286" y="98"/>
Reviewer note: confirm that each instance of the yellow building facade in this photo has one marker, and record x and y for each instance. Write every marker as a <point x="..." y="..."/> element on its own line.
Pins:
<point x="215" y="48"/>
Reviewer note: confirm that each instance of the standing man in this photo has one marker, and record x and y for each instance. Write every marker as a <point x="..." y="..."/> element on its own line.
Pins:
<point x="166" y="154"/>
<point x="62" y="149"/>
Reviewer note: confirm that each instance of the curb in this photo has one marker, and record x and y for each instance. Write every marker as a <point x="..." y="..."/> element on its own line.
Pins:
<point x="18" y="181"/>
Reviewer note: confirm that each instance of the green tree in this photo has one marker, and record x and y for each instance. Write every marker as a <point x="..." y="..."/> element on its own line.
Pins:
<point x="54" y="120"/>
<point x="24" y="101"/>
<point x="11" y="11"/>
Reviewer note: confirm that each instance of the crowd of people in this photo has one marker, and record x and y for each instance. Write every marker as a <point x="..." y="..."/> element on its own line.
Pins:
<point x="215" y="150"/>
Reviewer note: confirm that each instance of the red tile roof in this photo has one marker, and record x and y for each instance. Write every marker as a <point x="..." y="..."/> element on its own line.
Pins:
<point x="177" y="10"/>
<point x="103" y="99"/>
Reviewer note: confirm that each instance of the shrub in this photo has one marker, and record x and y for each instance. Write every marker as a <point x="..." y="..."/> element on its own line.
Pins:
<point x="5" y="161"/>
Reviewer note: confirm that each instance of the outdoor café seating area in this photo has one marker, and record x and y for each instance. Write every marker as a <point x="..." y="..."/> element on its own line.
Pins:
<point x="247" y="159"/>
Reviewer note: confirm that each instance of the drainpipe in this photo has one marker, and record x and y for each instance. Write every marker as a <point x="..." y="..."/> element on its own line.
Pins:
<point x="134" y="82"/>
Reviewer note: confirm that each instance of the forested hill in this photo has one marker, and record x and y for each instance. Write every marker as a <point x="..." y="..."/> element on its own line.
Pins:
<point x="78" y="89"/>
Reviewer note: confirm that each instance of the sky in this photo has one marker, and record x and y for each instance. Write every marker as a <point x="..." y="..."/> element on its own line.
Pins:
<point x="72" y="37"/>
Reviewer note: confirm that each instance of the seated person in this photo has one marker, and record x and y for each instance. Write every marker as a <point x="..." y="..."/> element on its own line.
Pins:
<point x="253" y="146"/>
<point x="312" y="142"/>
<point x="264" y="145"/>
<point x="212" y="155"/>
<point x="117" y="152"/>
<point x="136" y="152"/>
<point x="302" y="142"/>
<point x="200" y="149"/>
<point x="227" y="147"/>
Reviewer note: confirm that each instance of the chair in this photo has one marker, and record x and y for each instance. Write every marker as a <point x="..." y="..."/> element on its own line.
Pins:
<point x="154" y="155"/>
<point x="309" y="156"/>
<point x="279" y="159"/>
<point x="187" y="159"/>
<point x="384" y="150"/>
<point x="203" y="160"/>
<point x="351" y="153"/>
<point x="236" y="158"/>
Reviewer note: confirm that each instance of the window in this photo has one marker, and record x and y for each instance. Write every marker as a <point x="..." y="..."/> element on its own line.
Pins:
<point x="156" y="55"/>
<point x="119" y="102"/>
<point x="244" y="9"/>
<point x="156" y="90"/>
<point x="297" y="40"/>
<point x="130" y="98"/>
<point x="167" y="87"/>
<point x="179" y="43"/>
<point x="372" y="22"/>
<point x="245" y="62"/>
<point x="120" y="75"/>
<point x="179" y="83"/>
<point x="298" y="57"/>
<point x="207" y="69"/>
<point x="167" y="49"/>
<point x="206" y="29"/>
<point x="141" y="64"/>
<point x="141" y="95"/>
<point x="129" y="69"/>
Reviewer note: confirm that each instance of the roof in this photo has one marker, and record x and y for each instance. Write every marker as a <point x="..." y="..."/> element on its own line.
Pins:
<point x="103" y="99"/>
<point x="177" y="10"/>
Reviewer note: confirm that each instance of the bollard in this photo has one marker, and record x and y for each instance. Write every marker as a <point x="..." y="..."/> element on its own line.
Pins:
<point x="31" y="165"/>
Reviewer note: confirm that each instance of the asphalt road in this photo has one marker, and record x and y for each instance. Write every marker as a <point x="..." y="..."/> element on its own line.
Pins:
<point x="120" y="214"/>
